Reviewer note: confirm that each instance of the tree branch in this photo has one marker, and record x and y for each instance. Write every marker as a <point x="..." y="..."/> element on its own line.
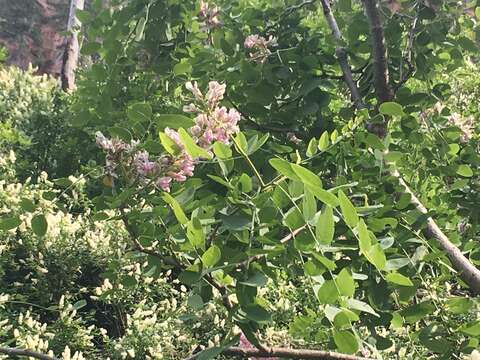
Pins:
<point x="25" y="352"/>
<point x="341" y="53"/>
<point x="285" y="353"/>
<point x="404" y="76"/>
<point x="468" y="272"/>
<point x="379" y="52"/>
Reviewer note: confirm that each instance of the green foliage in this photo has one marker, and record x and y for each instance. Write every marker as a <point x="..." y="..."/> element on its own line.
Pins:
<point x="291" y="231"/>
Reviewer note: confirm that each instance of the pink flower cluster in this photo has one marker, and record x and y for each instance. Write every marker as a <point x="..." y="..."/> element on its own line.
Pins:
<point x="137" y="166"/>
<point x="259" y="47"/>
<point x="209" y="15"/>
<point x="212" y="123"/>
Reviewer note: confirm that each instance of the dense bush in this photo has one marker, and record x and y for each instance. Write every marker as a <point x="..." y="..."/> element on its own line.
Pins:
<point x="34" y="122"/>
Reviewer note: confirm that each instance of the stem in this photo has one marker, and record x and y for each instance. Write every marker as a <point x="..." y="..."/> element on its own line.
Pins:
<point x="26" y="353"/>
<point x="250" y="163"/>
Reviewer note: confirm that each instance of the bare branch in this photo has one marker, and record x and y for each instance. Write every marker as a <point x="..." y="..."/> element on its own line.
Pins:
<point x="342" y="55"/>
<point x="404" y="76"/>
<point x="468" y="272"/>
<point x="379" y="52"/>
<point x="26" y="353"/>
<point x="285" y="353"/>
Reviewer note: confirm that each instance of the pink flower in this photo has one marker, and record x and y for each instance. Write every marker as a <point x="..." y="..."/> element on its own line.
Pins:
<point x="209" y="15"/>
<point x="164" y="183"/>
<point x="193" y="88"/>
<point x="104" y="143"/>
<point x="144" y="166"/>
<point x="190" y="108"/>
<point x="175" y="136"/>
<point x="250" y="41"/>
<point x="215" y="93"/>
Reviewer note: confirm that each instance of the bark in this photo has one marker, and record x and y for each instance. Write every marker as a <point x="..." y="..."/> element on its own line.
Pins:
<point x="379" y="52"/>
<point x="72" y="48"/>
<point x="25" y="352"/>
<point x="467" y="271"/>
<point x="246" y="353"/>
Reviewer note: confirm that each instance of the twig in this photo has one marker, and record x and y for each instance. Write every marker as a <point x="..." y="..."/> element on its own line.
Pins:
<point x="288" y="11"/>
<point x="285" y="353"/>
<point x="27" y="353"/>
<point x="404" y="76"/>
<point x="342" y="55"/>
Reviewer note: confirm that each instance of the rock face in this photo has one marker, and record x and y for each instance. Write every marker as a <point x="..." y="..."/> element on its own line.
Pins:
<point x="31" y="31"/>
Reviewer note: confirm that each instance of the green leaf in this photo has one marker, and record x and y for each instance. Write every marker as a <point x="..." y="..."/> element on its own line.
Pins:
<point x="211" y="256"/>
<point x="182" y="68"/>
<point x="27" y="205"/>
<point x="173" y="121"/>
<point x="195" y="301"/>
<point x="464" y="170"/>
<point x="324" y="196"/>
<point x="312" y="147"/>
<point x="222" y="151"/>
<point x="328" y="292"/>
<point x="177" y="210"/>
<point x="324" y="141"/>
<point x="325" y="227"/>
<point x="459" y="305"/>
<point x="257" y="313"/>
<point x="236" y="222"/>
<point x="374" y="142"/>
<point x="364" y="240"/>
<point x="196" y="234"/>
<point x="141" y="112"/>
<point x="376" y="256"/>
<point x="83" y="15"/>
<point x="345" y="283"/>
<point x="355" y="304"/>
<point x="79" y="304"/>
<point x="398" y="279"/>
<point x="346" y="342"/>
<point x="306" y="176"/>
<point x="191" y="147"/>
<point x="284" y="168"/>
<point x="39" y="225"/>
<point x="309" y="205"/>
<point x="258" y="279"/>
<point x="348" y="210"/>
<point x="168" y="143"/>
<point x="471" y="328"/>
<point x="10" y="223"/>
<point x="417" y="312"/>
<point x="140" y="29"/>
<point x="391" y="108"/>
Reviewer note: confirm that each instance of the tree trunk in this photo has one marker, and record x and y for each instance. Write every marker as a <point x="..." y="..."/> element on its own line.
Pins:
<point x="70" y="56"/>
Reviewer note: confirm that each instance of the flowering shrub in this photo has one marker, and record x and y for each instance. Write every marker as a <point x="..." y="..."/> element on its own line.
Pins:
<point x="212" y="123"/>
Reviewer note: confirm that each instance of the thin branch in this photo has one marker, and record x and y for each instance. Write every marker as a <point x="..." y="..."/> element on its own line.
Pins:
<point x="288" y="11"/>
<point x="285" y="353"/>
<point x="379" y="52"/>
<point x="26" y="353"/>
<point x="341" y="53"/>
<point x="404" y="76"/>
